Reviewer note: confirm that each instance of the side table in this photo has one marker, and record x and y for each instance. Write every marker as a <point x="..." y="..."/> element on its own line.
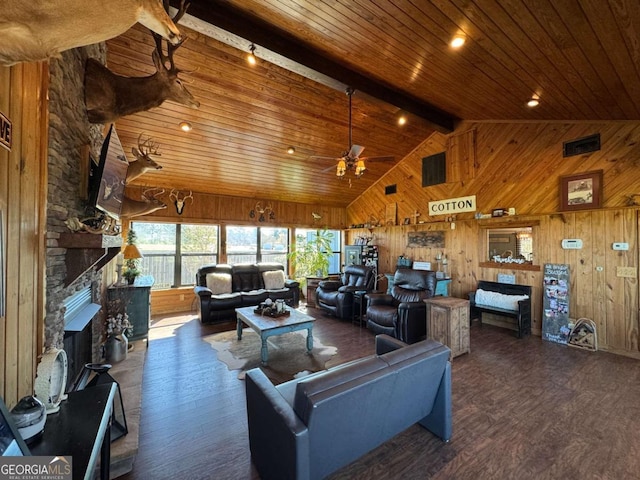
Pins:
<point x="448" y="323"/>
<point x="81" y="429"/>
<point x="359" y="306"/>
<point x="312" y="286"/>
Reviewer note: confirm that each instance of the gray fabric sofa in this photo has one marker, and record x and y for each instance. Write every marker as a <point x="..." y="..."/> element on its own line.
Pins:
<point x="310" y="427"/>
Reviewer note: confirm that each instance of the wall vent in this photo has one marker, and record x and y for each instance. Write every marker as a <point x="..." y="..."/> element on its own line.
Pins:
<point x="390" y="189"/>
<point x="581" y="145"/>
<point x="434" y="169"/>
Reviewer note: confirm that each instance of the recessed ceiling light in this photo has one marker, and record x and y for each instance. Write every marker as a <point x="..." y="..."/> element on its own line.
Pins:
<point x="402" y="119"/>
<point x="457" y="41"/>
<point x="534" y="101"/>
<point x="291" y="150"/>
<point x="185" y="126"/>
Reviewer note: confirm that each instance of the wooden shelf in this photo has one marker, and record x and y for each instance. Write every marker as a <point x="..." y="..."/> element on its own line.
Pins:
<point x="511" y="266"/>
<point x="87" y="250"/>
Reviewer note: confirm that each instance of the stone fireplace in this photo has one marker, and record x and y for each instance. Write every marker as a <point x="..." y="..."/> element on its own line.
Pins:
<point x="69" y="131"/>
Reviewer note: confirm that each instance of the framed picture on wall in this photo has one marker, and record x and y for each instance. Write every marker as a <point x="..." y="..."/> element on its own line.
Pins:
<point x="582" y="191"/>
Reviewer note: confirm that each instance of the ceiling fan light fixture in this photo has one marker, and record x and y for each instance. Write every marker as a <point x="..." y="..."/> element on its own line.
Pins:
<point x="360" y="168"/>
<point x="291" y="150"/>
<point x="251" y="58"/>
<point x="402" y="120"/>
<point x="341" y="169"/>
<point x="457" y="41"/>
<point x="534" y="101"/>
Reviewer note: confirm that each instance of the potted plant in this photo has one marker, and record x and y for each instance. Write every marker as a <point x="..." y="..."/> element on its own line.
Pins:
<point x="311" y="257"/>
<point x="131" y="258"/>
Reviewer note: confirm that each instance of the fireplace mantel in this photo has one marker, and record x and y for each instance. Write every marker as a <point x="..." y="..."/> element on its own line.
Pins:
<point x="87" y="250"/>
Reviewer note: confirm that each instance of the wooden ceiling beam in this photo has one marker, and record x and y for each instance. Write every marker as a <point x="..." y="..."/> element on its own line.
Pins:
<point x="255" y="30"/>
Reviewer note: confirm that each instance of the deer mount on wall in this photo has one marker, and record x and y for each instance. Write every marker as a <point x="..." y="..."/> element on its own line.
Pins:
<point x="178" y="201"/>
<point x="148" y="204"/>
<point x="143" y="161"/>
<point x="34" y="31"/>
<point x="109" y="96"/>
<point x="262" y="212"/>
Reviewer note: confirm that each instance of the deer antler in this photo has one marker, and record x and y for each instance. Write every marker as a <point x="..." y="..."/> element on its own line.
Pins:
<point x="148" y="147"/>
<point x="170" y="48"/>
<point x="148" y="198"/>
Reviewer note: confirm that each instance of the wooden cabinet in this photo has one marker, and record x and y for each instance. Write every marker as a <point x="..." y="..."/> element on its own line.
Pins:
<point x="137" y="300"/>
<point x="312" y="285"/>
<point x="448" y="323"/>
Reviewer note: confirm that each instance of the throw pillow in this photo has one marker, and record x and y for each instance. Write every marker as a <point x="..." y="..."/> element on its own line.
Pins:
<point x="500" y="300"/>
<point x="273" y="280"/>
<point x="219" y="283"/>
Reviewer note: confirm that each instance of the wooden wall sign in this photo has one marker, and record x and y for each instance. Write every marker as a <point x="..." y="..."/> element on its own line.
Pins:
<point x="5" y="131"/>
<point x="425" y="239"/>
<point x="453" y="206"/>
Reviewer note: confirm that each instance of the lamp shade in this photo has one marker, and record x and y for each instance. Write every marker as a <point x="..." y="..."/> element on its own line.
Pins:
<point x="131" y="252"/>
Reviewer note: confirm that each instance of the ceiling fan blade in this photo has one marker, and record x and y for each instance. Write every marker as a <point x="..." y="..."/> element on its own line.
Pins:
<point x="379" y="159"/>
<point x="319" y="157"/>
<point x="328" y="169"/>
<point x="355" y="151"/>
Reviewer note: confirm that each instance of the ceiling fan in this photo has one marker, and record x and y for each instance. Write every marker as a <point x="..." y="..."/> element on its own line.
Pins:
<point x="350" y="159"/>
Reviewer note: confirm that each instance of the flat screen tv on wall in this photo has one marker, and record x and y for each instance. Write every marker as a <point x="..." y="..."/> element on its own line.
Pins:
<point x="108" y="177"/>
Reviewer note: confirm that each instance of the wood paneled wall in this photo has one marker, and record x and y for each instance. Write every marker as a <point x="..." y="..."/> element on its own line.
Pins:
<point x="519" y="165"/>
<point x="221" y="209"/>
<point x="23" y="180"/>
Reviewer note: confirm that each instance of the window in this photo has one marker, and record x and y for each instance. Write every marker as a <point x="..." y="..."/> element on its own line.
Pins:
<point x="172" y="253"/>
<point x="257" y="244"/>
<point x="242" y="245"/>
<point x="305" y="234"/>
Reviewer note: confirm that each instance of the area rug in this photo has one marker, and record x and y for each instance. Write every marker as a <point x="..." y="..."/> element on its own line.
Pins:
<point x="288" y="357"/>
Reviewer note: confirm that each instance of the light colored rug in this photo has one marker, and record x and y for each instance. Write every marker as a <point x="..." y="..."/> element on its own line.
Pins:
<point x="288" y="355"/>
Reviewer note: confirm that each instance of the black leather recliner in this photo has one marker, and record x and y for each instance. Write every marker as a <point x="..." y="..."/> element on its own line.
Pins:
<point x="336" y="297"/>
<point x="402" y="314"/>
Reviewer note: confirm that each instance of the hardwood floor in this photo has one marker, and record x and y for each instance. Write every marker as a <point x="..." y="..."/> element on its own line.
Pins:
<point x="522" y="409"/>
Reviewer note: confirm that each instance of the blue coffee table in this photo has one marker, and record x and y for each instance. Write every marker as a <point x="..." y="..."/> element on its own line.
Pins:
<point x="267" y="326"/>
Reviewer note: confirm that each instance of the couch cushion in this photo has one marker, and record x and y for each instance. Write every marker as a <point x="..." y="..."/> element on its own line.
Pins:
<point x="253" y="297"/>
<point x="319" y="383"/>
<point x="219" y="283"/>
<point x="273" y="280"/>
<point x="499" y="300"/>
<point x="225" y="301"/>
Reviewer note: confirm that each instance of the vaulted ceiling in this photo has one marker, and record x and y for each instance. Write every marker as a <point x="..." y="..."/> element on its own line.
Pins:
<point x="581" y="57"/>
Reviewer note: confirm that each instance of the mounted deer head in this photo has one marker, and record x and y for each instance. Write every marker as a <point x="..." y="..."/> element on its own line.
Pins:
<point x="143" y="162"/>
<point x="109" y="96"/>
<point x="180" y="202"/>
<point x="33" y="31"/>
<point x="150" y="203"/>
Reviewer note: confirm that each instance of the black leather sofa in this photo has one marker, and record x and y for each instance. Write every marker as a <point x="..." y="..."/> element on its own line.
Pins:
<point x="402" y="314"/>
<point x="336" y="296"/>
<point x="242" y="285"/>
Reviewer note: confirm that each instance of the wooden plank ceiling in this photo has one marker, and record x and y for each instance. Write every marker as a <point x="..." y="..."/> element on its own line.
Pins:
<point x="581" y="57"/>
